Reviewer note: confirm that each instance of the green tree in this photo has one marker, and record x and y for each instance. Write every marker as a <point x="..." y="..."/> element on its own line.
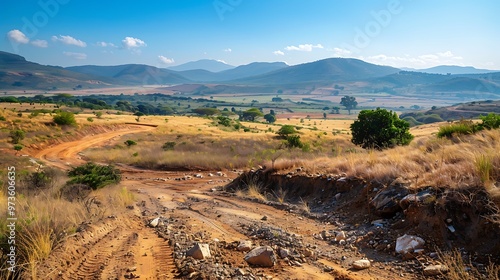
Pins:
<point x="18" y="147"/>
<point x="206" y="111"/>
<point x="286" y="130"/>
<point x="138" y="114"/>
<point x="380" y="129"/>
<point x="251" y="114"/>
<point x="17" y="136"/>
<point x="65" y="118"/>
<point x="270" y="118"/>
<point x="349" y="102"/>
<point x="98" y="114"/>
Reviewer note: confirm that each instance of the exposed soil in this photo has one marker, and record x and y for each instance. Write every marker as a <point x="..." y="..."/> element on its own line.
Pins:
<point x="202" y="207"/>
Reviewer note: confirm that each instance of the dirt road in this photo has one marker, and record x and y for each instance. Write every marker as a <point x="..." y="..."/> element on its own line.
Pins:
<point x="195" y="209"/>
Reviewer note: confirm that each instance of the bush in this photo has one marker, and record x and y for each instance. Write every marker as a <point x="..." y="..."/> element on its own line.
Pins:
<point x="168" y="146"/>
<point x="458" y="128"/>
<point x="130" y="143"/>
<point x="293" y="141"/>
<point x="90" y="119"/>
<point x="491" y="121"/>
<point x="2" y="118"/>
<point x="380" y="129"/>
<point x="94" y="176"/>
<point x="65" y="118"/>
<point x="286" y="130"/>
<point x="17" y="136"/>
<point x="18" y="147"/>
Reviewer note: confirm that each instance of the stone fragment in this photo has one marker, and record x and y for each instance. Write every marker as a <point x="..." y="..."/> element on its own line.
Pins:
<point x="361" y="264"/>
<point x="199" y="251"/>
<point x="263" y="256"/>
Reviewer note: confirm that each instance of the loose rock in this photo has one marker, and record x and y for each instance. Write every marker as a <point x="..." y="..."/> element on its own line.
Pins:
<point x="434" y="270"/>
<point x="263" y="256"/>
<point x="361" y="264"/>
<point x="199" y="251"/>
<point x="244" y="246"/>
<point x="408" y="243"/>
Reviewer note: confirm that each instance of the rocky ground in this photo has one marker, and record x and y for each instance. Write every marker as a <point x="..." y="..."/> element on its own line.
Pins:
<point x="192" y="225"/>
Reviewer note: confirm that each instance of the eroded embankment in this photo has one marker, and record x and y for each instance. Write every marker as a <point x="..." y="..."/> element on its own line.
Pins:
<point x="446" y="218"/>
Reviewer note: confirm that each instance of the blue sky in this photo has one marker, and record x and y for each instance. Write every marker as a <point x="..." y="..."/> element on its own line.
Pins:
<point x="400" y="33"/>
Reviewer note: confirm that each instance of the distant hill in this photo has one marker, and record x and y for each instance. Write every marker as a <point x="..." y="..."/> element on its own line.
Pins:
<point x="203" y="64"/>
<point x="465" y="84"/>
<point x="17" y="73"/>
<point x="407" y="78"/>
<point x="323" y="72"/>
<point x="453" y="70"/>
<point x="243" y="71"/>
<point x="133" y="74"/>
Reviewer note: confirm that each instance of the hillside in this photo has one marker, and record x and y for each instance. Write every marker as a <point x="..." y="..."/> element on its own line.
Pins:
<point x="203" y="64"/>
<point x="454" y="70"/>
<point x="323" y="72"/>
<point x="17" y="73"/>
<point x="240" y="72"/>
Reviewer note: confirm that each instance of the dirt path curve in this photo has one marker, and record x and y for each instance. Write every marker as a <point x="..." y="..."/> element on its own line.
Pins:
<point x="122" y="247"/>
<point x="65" y="154"/>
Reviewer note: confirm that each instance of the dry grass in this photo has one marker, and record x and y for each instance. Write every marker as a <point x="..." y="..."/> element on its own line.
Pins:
<point x="304" y="206"/>
<point x="280" y="195"/>
<point x="460" y="269"/>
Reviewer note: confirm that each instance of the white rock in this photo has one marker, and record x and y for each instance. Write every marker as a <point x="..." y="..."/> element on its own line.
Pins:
<point x="408" y="243"/>
<point x="199" y="251"/>
<point x="263" y="256"/>
<point x="434" y="270"/>
<point x="361" y="264"/>
<point x="155" y="222"/>
<point x="340" y="236"/>
<point x="244" y="246"/>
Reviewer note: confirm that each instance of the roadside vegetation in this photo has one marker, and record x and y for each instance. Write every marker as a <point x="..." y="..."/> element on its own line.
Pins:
<point x="453" y="155"/>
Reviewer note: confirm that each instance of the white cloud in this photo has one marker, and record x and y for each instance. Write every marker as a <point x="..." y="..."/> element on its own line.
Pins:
<point x="40" y="43"/>
<point x="104" y="44"/>
<point x="68" y="40"/>
<point x="341" y="52"/>
<point x="165" y="60"/>
<point x="228" y="50"/>
<point x="79" y="56"/>
<point x="421" y="61"/>
<point x="133" y="43"/>
<point x="17" y="36"/>
<point x="278" y="53"/>
<point x="222" y="61"/>
<point x="304" y="48"/>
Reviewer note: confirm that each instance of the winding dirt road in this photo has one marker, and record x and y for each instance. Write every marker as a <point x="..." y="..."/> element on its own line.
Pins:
<point x="123" y="247"/>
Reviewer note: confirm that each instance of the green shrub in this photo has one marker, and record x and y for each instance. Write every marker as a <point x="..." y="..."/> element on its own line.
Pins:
<point x="168" y="146"/>
<point x="286" y="130"/>
<point x="65" y="118"/>
<point x="90" y="119"/>
<point x="94" y="176"/>
<point x="17" y="136"/>
<point x="18" y="147"/>
<point x="293" y="141"/>
<point x="491" y="121"/>
<point x="2" y="118"/>
<point x="130" y="143"/>
<point x="458" y="128"/>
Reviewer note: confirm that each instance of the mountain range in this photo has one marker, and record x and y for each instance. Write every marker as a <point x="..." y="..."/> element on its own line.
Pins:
<point x="17" y="73"/>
